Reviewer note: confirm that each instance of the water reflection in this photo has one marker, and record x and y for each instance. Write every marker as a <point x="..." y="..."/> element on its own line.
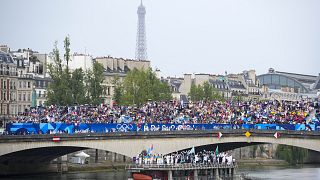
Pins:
<point x="263" y="172"/>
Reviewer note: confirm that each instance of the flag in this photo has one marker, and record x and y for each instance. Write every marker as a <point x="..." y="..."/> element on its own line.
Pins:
<point x="150" y="149"/>
<point x="276" y="135"/>
<point x="56" y="139"/>
<point x="217" y="150"/>
<point x="219" y="135"/>
<point x="192" y="150"/>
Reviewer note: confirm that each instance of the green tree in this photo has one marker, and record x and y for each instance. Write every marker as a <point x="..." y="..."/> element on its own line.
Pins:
<point x="139" y="86"/>
<point x="207" y="91"/>
<point x="67" y="52"/>
<point x="193" y="92"/>
<point x="204" y="92"/>
<point x="118" y="89"/>
<point x="94" y="81"/>
<point x="78" y="87"/>
<point x="58" y="90"/>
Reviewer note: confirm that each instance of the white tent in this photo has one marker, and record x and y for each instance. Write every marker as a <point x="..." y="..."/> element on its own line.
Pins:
<point x="79" y="158"/>
<point x="82" y="154"/>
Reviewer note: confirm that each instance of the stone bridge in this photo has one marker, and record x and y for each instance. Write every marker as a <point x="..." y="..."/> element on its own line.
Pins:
<point x="33" y="149"/>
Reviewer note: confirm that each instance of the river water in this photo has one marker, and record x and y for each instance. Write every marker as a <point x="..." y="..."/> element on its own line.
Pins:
<point x="270" y="172"/>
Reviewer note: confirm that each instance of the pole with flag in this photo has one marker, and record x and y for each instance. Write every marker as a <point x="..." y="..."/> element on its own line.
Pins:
<point x="217" y="150"/>
<point x="192" y="150"/>
<point x="150" y="149"/>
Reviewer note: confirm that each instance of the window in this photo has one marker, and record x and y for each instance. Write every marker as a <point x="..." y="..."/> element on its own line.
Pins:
<point x="39" y="93"/>
<point x="275" y="79"/>
<point x="4" y="96"/>
<point x="19" y="97"/>
<point x="24" y="97"/>
<point x="20" y="84"/>
<point x="267" y="79"/>
<point x="28" y="84"/>
<point x="24" y="84"/>
<point x="4" y="84"/>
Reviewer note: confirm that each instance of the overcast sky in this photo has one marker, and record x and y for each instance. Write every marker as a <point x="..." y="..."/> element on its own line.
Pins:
<point x="183" y="36"/>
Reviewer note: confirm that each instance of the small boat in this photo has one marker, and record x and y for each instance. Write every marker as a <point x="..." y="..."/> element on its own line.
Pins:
<point x="137" y="176"/>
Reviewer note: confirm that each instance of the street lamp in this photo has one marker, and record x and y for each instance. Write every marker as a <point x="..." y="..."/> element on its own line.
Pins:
<point x="33" y="101"/>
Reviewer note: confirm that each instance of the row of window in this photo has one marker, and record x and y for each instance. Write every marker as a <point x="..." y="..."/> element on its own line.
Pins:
<point x="3" y="84"/>
<point x="4" y="96"/>
<point x="24" y="97"/>
<point x="24" y="84"/>
<point x="275" y="81"/>
<point x="8" y="70"/>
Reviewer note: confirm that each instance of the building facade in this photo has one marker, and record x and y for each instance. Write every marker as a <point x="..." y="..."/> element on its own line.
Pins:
<point x="8" y="83"/>
<point x="229" y="86"/>
<point x="26" y="94"/>
<point x="117" y="67"/>
<point x="289" y="86"/>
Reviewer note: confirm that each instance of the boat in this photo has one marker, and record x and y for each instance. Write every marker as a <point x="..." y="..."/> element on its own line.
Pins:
<point x="137" y="176"/>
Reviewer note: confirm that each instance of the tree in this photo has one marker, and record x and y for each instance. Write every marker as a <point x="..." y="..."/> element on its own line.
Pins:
<point x="94" y="83"/>
<point x="67" y="52"/>
<point x="118" y="89"/>
<point x="78" y="87"/>
<point x="207" y="91"/>
<point x="204" y="92"/>
<point x="193" y="92"/>
<point x="58" y="90"/>
<point x="139" y="86"/>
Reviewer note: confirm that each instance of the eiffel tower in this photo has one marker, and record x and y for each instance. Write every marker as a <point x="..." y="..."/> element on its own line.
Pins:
<point x="141" y="44"/>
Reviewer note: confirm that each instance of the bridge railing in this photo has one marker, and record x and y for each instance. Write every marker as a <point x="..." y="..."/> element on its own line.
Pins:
<point x="179" y="166"/>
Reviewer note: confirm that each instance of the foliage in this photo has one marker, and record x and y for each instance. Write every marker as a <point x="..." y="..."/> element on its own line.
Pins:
<point x="140" y="86"/>
<point x="204" y="92"/>
<point x="58" y="90"/>
<point x="94" y="79"/>
<point x="118" y="90"/>
<point x="68" y="88"/>
<point x="293" y="155"/>
<point x="78" y="86"/>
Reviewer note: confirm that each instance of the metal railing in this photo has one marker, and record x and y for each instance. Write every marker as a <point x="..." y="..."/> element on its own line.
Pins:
<point x="185" y="166"/>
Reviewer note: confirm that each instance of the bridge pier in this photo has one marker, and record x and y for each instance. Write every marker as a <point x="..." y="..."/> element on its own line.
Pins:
<point x="62" y="164"/>
<point x="195" y="174"/>
<point x="96" y="157"/>
<point x="211" y="173"/>
<point x="216" y="173"/>
<point x="170" y="175"/>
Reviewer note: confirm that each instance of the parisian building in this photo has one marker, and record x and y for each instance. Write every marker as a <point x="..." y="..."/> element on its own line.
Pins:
<point x="8" y="84"/>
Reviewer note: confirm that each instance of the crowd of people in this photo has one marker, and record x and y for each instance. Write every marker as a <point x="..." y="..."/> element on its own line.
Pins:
<point x="201" y="157"/>
<point x="206" y="112"/>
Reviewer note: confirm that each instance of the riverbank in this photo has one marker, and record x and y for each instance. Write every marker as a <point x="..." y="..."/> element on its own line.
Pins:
<point x="261" y="162"/>
<point x="96" y="167"/>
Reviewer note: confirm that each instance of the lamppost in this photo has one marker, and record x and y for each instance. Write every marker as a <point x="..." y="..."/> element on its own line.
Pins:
<point x="34" y="96"/>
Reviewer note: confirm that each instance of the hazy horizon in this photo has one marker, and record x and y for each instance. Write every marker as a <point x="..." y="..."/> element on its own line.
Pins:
<point x="183" y="36"/>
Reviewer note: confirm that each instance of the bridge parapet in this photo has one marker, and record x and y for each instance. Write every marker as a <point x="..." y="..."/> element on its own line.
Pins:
<point x="158" y="134"/>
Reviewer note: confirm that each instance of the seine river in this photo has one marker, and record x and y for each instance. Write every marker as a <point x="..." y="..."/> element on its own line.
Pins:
<point x="271" y="172"/>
